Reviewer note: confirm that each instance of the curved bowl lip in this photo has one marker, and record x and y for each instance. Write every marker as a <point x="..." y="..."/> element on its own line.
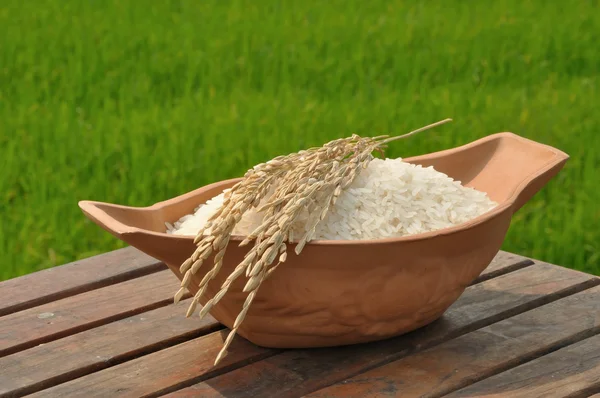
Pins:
<point x="558" y="157"/>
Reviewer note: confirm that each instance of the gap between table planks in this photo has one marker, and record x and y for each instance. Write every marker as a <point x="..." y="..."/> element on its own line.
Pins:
<point x="176" y="367"/>
<point x="481" y="353"/>
<point x="77" y="277"/>
<point x="572" y="371"/>
<point x="50" y="321"/>
<point x="64" y="359"/>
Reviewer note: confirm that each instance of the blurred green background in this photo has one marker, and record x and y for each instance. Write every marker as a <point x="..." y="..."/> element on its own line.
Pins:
<point x="134" y="102"/>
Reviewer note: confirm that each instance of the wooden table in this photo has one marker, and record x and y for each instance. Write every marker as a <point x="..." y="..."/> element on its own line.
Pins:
<point x="106" y="327"/>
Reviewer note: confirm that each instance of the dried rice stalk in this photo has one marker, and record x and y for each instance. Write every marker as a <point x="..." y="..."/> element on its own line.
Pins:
<point x="311" y="179"/>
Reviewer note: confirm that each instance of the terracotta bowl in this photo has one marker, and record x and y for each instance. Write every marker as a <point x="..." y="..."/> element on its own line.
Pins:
<point x="345" y="292"/>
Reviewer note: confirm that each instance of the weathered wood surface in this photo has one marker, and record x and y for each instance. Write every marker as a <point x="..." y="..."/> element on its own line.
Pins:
<point x="74" y="278"/>
<point x="105" y="346"/>
<point x="106" y="326"/>
<point x="502" y="264"/>
<point x="74" y="314"/>
<point x="573" y="371"/>
<point x="163" y="370"/>
<point x="481" y="353"/>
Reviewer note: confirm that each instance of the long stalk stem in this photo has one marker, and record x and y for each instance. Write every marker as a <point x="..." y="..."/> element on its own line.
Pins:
<point x="430" y="126"/>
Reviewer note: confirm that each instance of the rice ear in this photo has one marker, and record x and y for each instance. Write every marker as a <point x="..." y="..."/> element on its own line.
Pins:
<point x="310" y="181"/>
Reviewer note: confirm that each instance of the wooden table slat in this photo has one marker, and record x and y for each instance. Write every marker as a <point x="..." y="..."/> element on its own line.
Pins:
<point x="98" y="348"/>
<point x="481" y="353"/>
<point x="573" y="371"/>
<point x="74" y="314"/>
<point x="75" y="278"/>
<point x="503" y="263"/>
<point x="156" y="372"/>
<point x="303" y="371"/>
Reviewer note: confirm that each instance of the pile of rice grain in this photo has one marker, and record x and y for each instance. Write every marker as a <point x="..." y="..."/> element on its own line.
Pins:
<point x="390" y="198"/>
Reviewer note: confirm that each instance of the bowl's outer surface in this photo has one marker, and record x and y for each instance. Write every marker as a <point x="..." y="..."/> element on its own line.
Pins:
<point x="346" y="292"/>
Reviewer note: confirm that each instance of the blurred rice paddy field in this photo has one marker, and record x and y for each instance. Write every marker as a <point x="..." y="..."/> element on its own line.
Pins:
<point x="135" y="102"/>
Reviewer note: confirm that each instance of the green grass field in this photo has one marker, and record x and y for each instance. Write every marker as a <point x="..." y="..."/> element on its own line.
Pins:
<point x="134" y="102"/>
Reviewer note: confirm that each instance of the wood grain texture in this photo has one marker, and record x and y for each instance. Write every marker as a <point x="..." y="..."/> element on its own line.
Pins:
<point x="74" y="314"/>
<point x="479" y="354"/>
<point x="65" y="359"/>
<point x="573" y="371"/>
<point x="503" y="263"/>
<point x="295" y="373"/>
<point x="162" y="371"/>
<point x="75" y="278"/>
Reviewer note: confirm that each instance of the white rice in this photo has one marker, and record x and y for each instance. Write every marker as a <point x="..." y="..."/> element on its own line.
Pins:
<point x="390" y="198"/>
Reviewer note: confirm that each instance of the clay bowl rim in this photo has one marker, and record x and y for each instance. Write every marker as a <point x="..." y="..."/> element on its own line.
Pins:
<point x="558" y="157"/>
